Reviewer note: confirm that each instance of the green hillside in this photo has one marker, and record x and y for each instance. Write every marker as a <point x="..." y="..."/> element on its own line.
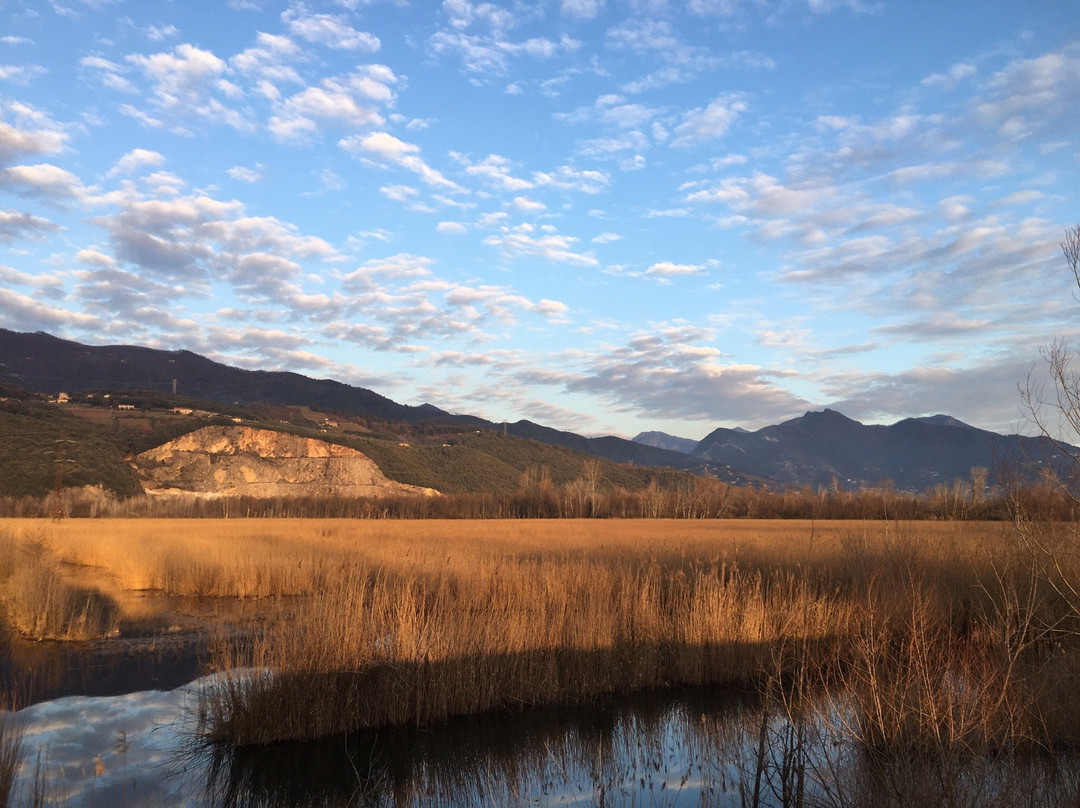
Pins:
<point x="92" y="437"/>
<point x="37" y="437"/>
<point x="490" y="461"/>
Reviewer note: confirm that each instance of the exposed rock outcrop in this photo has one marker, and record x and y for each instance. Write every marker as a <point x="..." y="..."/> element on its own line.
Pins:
<point x="238" y="460"/>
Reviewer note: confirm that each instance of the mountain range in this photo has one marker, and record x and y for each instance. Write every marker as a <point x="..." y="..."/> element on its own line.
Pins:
<point x="43" y="363"/>
<point x="828" y="448"/>
<point x="817" y="449"/>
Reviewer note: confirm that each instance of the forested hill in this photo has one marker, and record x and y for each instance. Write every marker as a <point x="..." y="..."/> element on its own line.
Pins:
<point x="43" y="363"/>
<point x="47" y="364"/>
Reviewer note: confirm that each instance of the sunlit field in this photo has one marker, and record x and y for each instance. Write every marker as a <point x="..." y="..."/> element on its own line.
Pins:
<point x="947" y="639"/>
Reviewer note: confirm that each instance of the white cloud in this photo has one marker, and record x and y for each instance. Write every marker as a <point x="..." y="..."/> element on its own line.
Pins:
<point x="387" y="148"/>
<point x="12" y="276"/>
<point x="713" y="8"/>
<point x="16" y="224"/>
<point x="185" y="81"/>
<point x="520" y="240"/>
<point x="465" y="14"/>
<point x="451" y="228"/>
<point x="639" y="377"/>
<point x="269" y="59"/>
<point x="327" y="29"/>
<point x="612" y="109"/>
<point x="182" y="76"/>
<point x="644" y="35"/>
<point x="494" y="170"/>
<point x="44" y="179"/>
<point x="710" y="122"/>
<point x="951" y="78"/>
<point x="134" y="160"/>
<point x="27" y="313"/>
<point x="567" y="178"/>
<point x="1027" y="94"/>
<point x="329" y="180"/>
<point x="110" y="74"/>
<point x="488" y="53"/>
<point x="326" y="103"/>
<point x="141" y="116"/>
<point x="581" y="9"/>
<point x="21" y="74"/>
<point x="399" y="193"/>
<point x="764" y="195"/>
<point x="20" y="141"/>
<point x="666" y="269"/>
<point x="526" y="205"/>
<point x="976" y="167"/>
<point x="95" y="258"/>
<point x="156" y="33"/>
<point x="245" y="174"/>
<point x="167" y="249"/>
<point x="375" y="81"/>
<point x="397" y="267"/>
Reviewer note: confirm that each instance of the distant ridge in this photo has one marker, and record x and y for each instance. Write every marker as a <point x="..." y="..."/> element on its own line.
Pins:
<point x="820" y="448"/>
<point x="817" y="448"/>
<point x="47" y="364"/>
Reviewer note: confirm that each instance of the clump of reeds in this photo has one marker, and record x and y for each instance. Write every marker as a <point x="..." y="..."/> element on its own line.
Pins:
<point x="39" y="603"/>
<point x="381" y="649"/>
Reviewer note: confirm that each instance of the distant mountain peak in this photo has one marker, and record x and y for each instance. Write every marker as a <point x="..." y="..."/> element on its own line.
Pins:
<point x="662" y="440"/>
<point x="942" y="420"/>
<point x="826" y="413"/>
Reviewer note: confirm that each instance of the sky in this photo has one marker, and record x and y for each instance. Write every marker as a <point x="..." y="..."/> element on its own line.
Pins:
<point x="606" y="216"/>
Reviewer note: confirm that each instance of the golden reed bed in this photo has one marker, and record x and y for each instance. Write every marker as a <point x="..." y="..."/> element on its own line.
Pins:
<point x="410" y="622"/>
<point x="260" y="558"/>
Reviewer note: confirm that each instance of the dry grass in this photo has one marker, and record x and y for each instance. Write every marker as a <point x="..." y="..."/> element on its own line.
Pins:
<point x="39" y="602"/>
<point x="261" y="558"/>
<point x="941" y="636"/>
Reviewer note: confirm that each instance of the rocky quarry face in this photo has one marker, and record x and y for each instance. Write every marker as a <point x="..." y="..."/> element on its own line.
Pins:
<point x="218" y="461"/>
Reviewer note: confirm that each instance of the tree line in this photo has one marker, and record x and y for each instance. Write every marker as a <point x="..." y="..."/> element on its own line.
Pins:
<point x="590" y="496"/>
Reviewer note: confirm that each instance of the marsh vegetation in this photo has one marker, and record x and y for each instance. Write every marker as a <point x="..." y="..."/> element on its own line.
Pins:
<point x="933" y="662"/>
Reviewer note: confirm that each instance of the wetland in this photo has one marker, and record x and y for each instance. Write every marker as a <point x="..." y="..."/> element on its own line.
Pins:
<point x="548" y="662"/>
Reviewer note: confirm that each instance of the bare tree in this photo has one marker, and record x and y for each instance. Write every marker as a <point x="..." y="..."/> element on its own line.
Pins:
<point x="1056" y="413"/>
<point x="1054" y="409"/>
<point x="1071" y="249"/>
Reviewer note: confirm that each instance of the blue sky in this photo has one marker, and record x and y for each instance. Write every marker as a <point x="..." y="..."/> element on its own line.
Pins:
<point x="607" y="216"/>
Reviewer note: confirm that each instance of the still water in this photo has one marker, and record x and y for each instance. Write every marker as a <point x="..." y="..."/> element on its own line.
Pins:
<point x="701" y="747"/>
<point x="142" y="749"/>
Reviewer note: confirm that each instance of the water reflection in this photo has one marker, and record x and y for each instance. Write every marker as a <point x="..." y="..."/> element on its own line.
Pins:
<point x="691" y="748"/>
<point x="700" y="747"/>
<point x="618" y="753"/>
